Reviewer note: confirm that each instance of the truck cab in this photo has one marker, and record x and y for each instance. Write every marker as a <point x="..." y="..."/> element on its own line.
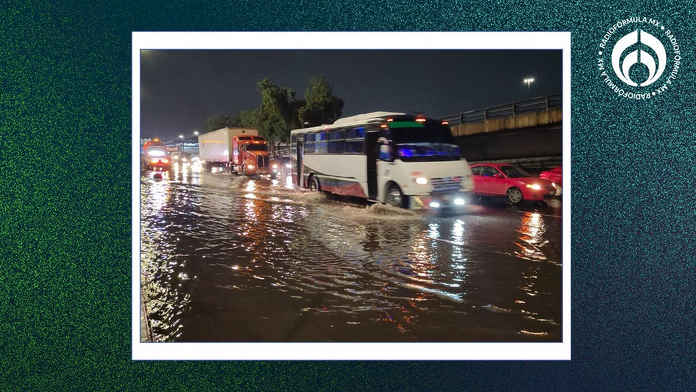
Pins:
<point x="250" y="155"/>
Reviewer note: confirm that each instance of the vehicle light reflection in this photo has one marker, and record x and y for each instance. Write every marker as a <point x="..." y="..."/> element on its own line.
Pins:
<point x="250" y="209"/>
<point x="163" y="280"/>
<point x="288" y="183"/>
<point x="532" y="239"/>
<point x="458" y="258"/>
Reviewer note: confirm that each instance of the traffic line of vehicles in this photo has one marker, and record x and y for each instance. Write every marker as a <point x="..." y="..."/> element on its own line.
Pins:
<point x="393" y="158"/>
<point x="405" y="161"/>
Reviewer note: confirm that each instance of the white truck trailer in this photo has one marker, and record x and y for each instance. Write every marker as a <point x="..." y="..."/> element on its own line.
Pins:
<point x="238" y="150"/>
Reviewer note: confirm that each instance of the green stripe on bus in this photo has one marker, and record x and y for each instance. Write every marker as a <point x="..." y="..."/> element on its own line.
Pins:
<point x="406" y="124"/>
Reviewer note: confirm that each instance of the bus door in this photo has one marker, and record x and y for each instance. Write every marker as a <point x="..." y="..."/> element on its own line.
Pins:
<point x="372" y="152"/>
<point x="300" y="166"/>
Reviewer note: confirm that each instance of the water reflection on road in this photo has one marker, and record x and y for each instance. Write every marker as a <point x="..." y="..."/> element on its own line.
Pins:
<point x="233" y="259"/>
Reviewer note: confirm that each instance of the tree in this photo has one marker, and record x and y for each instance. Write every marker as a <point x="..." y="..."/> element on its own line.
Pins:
<point x="276" y="115"/>
<point x="322" y="107"/>
<point x="221" y="121"/>
<point x="280" y="112"/>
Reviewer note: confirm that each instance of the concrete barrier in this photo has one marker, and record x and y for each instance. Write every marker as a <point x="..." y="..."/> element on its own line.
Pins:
<point x="519" y="121"/>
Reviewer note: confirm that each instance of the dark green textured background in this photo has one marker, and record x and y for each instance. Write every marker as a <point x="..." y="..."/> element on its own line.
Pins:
<point x="65" y="201"/>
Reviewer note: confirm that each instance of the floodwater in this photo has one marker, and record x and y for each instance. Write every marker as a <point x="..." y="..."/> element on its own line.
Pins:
<point x="233" y="259"/>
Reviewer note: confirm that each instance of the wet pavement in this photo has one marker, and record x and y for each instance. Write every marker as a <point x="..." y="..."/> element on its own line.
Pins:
<point x="234" y="259"/>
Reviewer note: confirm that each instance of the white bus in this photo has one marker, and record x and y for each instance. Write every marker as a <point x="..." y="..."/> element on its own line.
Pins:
<point x="393" y="158"/>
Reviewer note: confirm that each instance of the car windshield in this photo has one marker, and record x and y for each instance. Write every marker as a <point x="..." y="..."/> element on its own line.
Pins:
<point x="514" y="171"/>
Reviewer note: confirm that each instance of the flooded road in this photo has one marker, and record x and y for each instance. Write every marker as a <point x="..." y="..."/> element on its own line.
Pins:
<point x="233" y="259"/>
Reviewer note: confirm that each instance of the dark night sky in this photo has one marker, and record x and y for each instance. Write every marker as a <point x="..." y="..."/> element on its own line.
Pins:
<point x="180" y="89"/>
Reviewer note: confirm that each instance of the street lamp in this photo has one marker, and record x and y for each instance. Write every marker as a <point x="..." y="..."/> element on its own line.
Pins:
<point x="195" y="133"/>
<point x="529" y="81"/>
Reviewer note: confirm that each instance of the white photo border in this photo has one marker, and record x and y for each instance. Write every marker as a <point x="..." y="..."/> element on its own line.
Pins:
<point x="338" y="41"/>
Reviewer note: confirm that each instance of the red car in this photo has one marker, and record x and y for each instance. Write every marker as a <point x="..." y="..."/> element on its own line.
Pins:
<point x="512" y="182"/>
<point x="554" y="175"/>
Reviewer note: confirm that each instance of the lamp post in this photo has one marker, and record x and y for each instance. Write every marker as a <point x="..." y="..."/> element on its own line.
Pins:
<point x="529" y="81"/>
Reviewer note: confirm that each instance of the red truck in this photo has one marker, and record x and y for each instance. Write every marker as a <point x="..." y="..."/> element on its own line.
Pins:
<point x="236" y="150"/>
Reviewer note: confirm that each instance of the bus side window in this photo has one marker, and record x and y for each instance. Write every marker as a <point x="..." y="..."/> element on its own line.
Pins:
<point x="337" y="143"/>
<point x="309" y="143"/>
<point x="321" y="143"/>
<point x="355" y="140"/>
<point x="385" y="150"/>
<point x="293" y="144"/>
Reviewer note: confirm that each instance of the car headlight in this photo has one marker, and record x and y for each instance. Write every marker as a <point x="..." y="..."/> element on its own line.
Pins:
<point x="534" y="186"/>
<point x="275" y="166"/>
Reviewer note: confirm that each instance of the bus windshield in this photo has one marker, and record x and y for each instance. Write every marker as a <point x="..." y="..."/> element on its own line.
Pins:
<point x="420" y="133"/>
<point x="437" y="151"/>
<point x="429" y="141"/>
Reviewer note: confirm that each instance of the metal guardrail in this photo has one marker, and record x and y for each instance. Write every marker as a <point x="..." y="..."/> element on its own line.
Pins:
<point x="511" y="109"/>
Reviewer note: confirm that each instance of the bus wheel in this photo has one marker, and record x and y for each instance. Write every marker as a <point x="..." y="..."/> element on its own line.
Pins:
<point x="394" y="197"/>
<point x="514" y="195"/>
<point x="314" y="184"/>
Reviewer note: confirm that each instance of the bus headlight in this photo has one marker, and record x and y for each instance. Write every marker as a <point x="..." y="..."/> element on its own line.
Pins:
<point x="250" y="167"/>
<point x="459" y="201"/>
<point x="421" y="180"/>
